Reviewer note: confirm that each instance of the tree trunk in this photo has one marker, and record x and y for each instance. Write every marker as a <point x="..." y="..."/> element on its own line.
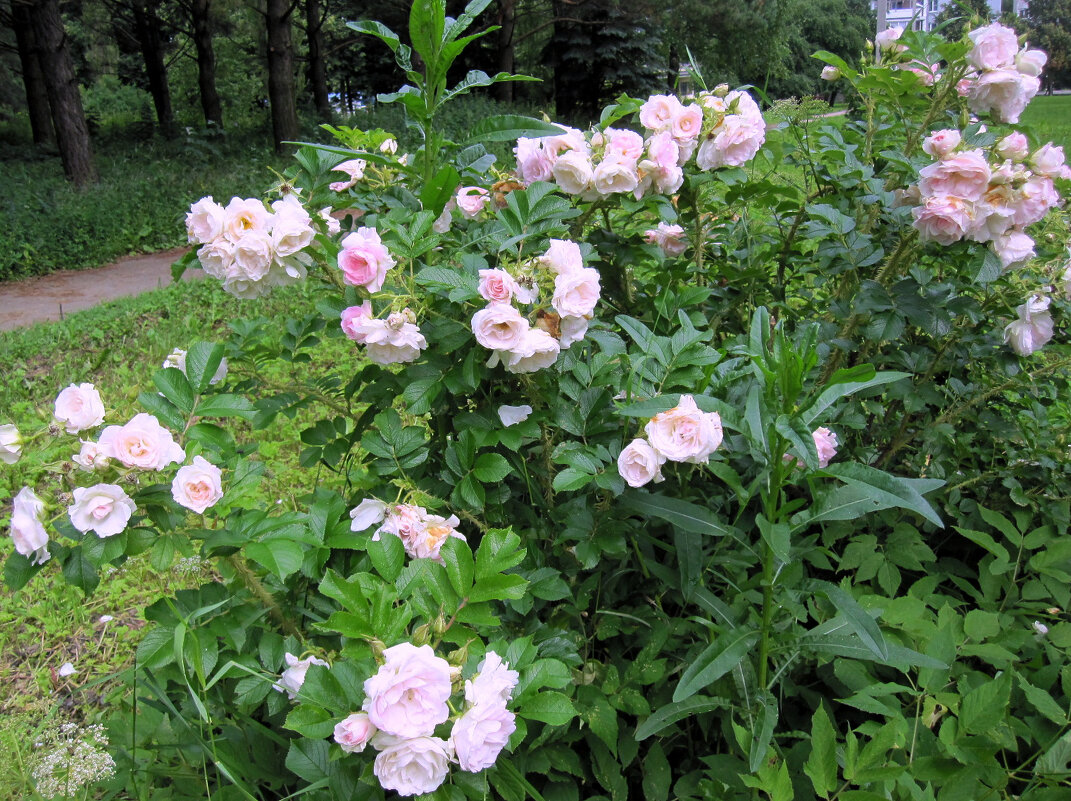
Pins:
<point x="206" y="63"/>
<point x="507" y="19"/>
<point x="150" y="39"/>
<point x="314" y="19"/>
<point x="32" y="78"/>
<point x="69" y="118"/>
<point x="284" y="122"/>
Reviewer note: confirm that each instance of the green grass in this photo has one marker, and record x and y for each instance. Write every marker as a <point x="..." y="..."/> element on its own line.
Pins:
<point x="1048" y="118"/>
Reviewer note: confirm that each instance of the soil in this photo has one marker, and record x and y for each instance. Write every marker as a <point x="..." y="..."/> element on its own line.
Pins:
<point x="53" y="296"/>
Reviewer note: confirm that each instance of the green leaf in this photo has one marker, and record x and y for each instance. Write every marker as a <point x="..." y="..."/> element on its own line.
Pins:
<point x="671" y="713"/>
<point x="499" y="551"/>
<point x="309" y="759"/>
<point x="388" y="556"/>
<point x="884" y="488"/>
<point x="18" y="570"/>
<point x="1043" y="702"/>
<point x="166" y="412"/>
<point x="457" y="558"/>
<point x="280" y="557"/>
<point x="777" y="536"/>
<point x="1054" y="761"/>
<point x="657" y="775"/>
<point x="174" y="386"/>
<point x="499" y="587"/>
<point x="821" y="766"/>
<point x="682" y="514"/>
<point x="80" y="572"/>
<point x="510" y="128"/>
<point x="848" y="382"/>
<point x="717" y="659"/>
<point x="984" y="707"/>
<point x="549" y="707"/>
<point x="438" y="192"/>
<point x="420" y="393"/>
<point x="226" y="406"/>
<point x="861" y="623"/>
<point x="760" y="745"/>
<point x="571" y="479"/>
<point x="202" y="362"/>
<point x="491" y="468"/>
<point x="310" y="721"/>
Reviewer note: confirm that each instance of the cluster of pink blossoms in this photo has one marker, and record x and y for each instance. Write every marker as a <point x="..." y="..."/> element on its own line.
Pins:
<point x="1032" y="328"/>
<point x="364" y="261"/>
<point x="106" y="509"/>
<point x="421" y="533"/>
<point x="681" y="434"/>
<point x="249" y="248"/>
<point x="517" y="344"/>
<point x="724" y="129"/>
<point x="964" y="196"/>
<point x="1007" y="77"/>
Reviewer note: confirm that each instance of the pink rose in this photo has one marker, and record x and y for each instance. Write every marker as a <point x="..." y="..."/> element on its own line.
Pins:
<point x="943" y="219"/>
<point x="411" y="766"/>
<point x="1014" y="146"/>
<point x="291" y="229"/>
<point x="204" y="221"/>
<point x="392" y="341"/>
<point x="886" y="40"/>
<point x="623" y="144"/>
<point x="533" y="163"/>
<point x="940" y="143"/>
<point x="1013" y="247"/>
<point x="429" y="541"/>
<point x="670" y="238"/>
<point x="494" y="682"/>
<point x="354" y="169"/>
<point x="353" y="317"/>
<point x="408" y="695"/>
<point x="576" y="292"/>
<point x="244" y="216"/>
<point x="354" y="732"/>
<point x="141" y="443"/>
<point x="512" y="415"/>
<point x="497" y="286"/>
<point x="1031" y="62"/>
<point x="364" y="259"/>
<point x="825" y="441"/>
<point x="571" y="330"/>
<point x="573" y="172"/>
<point x="965" y="175"/>
<point x="995" y="47"/>
<point x="253" y="254"/>
<point x="480" y="734"/>
<point x="79" y="407"/>
<point x="1049" y="160"/>
<point x="104" y="509"/>
<point x="614" y="176"/>
<point x="563" y="256"/>
<point x="499" y="327"/>
<point x="684" y="433"/>
<point x="830" y="73"/>
<point x="27" y="529"/>
<point x="292" y="679"/>
<point x="659" y="112"/>
<point x="537" y="350"/>
<point x="639" y="463"/>
<point x="197" y="486"/>
<point x="10" y="443"/>
<point x="1033" y="328"/>
<point x="89" y="457"/>
<point x="1002" y="93"/>
<point x="736" y="141"/>
<point x="1034" y="200"/>
<point x="366" y="514"/>
<point x="472" y="200"/>
<point x="688" y="123"/>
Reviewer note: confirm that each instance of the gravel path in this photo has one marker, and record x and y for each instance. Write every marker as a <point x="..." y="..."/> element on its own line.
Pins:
<point x="51" y="297"/>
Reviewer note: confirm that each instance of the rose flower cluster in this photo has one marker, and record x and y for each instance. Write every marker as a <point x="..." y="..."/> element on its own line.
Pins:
<point x="517" y="344"/>
<point x="142" y="444"/>
<point x="986" y="197"/>
<point x="724" y="129"/>
<point x="249" y="248"/>
<point x="407" y="700"/>
<point x="421" y="533"/>
<point x="1007" y="77"/>
<point x="681" y="434"/>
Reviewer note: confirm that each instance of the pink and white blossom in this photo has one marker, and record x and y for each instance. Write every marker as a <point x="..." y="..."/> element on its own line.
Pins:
<point x="408" y="695"/>
<point x="79" y="407"/>
<point x="685" y="433"/>
<point x="10" y="443"/>
<point x="412" y="766"/>
<point x="1032" y="329"/>
<point x="104" y="509"/>
<point x="480" y="734"/>
<point x="472" y="200"/>
<point x="292" y="678"/>
<point x="639" y="463"/>
<point x="364" y="259"/>
<point x="354" y="732"/>
<point x="198" y="486"/>
<point x="27" y="528"/>
<point x="141" y="443"/>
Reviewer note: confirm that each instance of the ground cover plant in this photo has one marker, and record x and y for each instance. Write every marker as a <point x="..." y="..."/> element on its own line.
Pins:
<point x="665" y="471"/>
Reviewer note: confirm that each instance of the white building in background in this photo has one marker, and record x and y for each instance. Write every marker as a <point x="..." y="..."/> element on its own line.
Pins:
<point x="922" y="14"/>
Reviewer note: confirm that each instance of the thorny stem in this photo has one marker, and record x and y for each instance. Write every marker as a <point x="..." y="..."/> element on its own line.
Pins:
<point x="260" y="592"/>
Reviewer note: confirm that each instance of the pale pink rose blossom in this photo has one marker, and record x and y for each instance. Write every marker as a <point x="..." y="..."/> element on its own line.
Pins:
<point x="659" y="112"/>
<point x="428" y="542"/>
<point x="366" y="514"/>
<point x="825" y="441"/>
<point x="291" y="229"/>
<point x="670" y="238"/>
<point x="940" y="143"/>
<point x="613" y="176"/>
<point x="141" y="443"/>
<point x="446" y="219"/>
<point x="353" y="733"/>
<point x="405" y="521"/>
<point x="573" y="172"/>
<point x="533" y="162"/>
<point x="512" y="415"/>
<point x="688" y="123"/>
<point x="830" y="73"/>
<point x="10" y="443"/>
<point x="639" y="463"/>
<point x="204" y="221"/>
<point x="104" y="509"/>
<point x="395" y="340"/>
<point x="408" y="695"/>
<point x="943" y="219"/>
<point x="364" y="259"/>
<point x="995" y="47"/>
<point x="563" y="256"/>
<point x="1014" y="146"/>
<point x="253" y="254"/>
<point x="333" y="225"/>
<point x="886" y="40"/>
<point x="1003" y="93"/>
<point x="293" y="677"/>
<point x="480" y="734"/>
<point x="685" y="433"/>
<point x="217" y="258"/>
<point x="79" y="407"/>
<point x="571" y="330"/>
<point x="1014" y="247"/>
<point x="1034" y="200"/>
<point x="965" y="175"/>
<point x="1032" y="329"/>
<point x="197" y="486"/>
<point x="573" y="139"/>
<point x="735" y="142"/>
<point x="243" y="217"/>
<point x="964" y="86"/>
<point x="493" y="683"/>
<point x="1066" y="280"/>
<point x="411" y="766"/>
<point x="472" y="200"/>
<point x="623" y="144"/>
<point x="89" y="457"/>
<point x="352" y="317"/>
<point x="536" y="351"/>
<point x="576" y="292"/>
<point x="1031" y="62"/>
<point x="27" y="528"/>
<point x="497" y="286"/>
<point x="499" y="326"/>
<point x="354" y="168"/>
<point x="1048" y="160"/>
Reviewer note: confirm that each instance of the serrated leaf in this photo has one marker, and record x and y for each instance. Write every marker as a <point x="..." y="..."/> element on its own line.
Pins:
<point x="459" y="563"/>
<point x="1043" y="702"/>
<point x="984" y="707"/>
<point x="490" y="468"/>
<point x="821" y="766"/>
<point x="280" y="557"/>
<point x="571" y="479"/>
<point x="548" y="707"/>
<point x="387" y="555"/>
<point x="226" y="406"/>
<point x="174" y="386"/>
<point x="861" y="623"/>
<point x="202" y="362"/>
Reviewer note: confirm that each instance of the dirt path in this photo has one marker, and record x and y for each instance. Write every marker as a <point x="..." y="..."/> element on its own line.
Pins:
<point x="53" y="296"/>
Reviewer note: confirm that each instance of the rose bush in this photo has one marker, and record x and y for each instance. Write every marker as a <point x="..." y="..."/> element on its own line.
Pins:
<point x="683" y="457"/>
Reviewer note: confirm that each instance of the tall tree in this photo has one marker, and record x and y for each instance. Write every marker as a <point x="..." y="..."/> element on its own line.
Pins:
<point x="198" y="12"/>
<point x="32" y="78"/>
<point x="148" y="28"/>
<point x="507" y="23"/>
<point x="315" y="14"/>
<point x="68" y="116"/>
<point x="281" y="91"/>
<point x="959" y="16"/>
<point x="1050" y="30"/>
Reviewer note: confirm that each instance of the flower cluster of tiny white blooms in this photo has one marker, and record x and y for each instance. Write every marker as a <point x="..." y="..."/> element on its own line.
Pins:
<point x="71" y="758"/>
